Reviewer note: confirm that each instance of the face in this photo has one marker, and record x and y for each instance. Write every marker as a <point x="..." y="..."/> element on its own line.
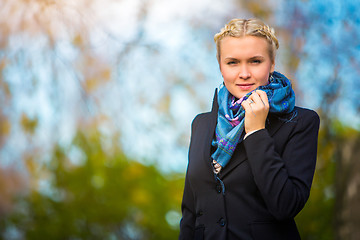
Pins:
<point x="245" y="63"/>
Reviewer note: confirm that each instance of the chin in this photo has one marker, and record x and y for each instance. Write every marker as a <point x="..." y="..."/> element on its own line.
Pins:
<point x="238" y="96"/>
<point x="242" y="94"/>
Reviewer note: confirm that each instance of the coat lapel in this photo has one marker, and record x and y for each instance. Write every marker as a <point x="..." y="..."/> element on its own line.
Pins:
<point x="238" y="157"/>
<point x="272" y="125"/>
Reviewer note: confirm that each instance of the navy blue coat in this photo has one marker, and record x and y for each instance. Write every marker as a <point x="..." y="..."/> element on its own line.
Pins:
<point x="266" y="183"/>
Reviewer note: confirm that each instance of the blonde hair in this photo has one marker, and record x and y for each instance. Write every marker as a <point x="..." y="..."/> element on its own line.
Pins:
<point x="248" y="27"/>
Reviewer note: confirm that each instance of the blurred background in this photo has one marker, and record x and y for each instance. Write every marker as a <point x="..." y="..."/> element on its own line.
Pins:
<point x="97" y="99"/>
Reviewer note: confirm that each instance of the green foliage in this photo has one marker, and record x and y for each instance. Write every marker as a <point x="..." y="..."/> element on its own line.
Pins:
<point x="98" y="193"/>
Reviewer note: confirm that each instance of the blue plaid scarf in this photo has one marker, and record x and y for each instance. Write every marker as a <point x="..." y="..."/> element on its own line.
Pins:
<point x="231" y="115"/>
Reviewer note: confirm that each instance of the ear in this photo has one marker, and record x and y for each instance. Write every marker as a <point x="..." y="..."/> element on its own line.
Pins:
<point x="272" y="68"/>
<point x="220" y="69"/>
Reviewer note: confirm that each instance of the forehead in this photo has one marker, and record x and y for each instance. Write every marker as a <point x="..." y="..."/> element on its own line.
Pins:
<point x="243" y="47"/>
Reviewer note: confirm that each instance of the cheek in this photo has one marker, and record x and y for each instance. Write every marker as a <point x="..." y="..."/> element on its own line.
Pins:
<point x="227" y="74"/>
<point x="263" y="76"/>
<point x="228" y="78"/>
<point x="264" y="79"/>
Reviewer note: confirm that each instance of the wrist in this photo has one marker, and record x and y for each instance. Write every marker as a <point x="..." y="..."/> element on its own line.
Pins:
<point x="253" y="129"/>
<point x="251" y="132"/>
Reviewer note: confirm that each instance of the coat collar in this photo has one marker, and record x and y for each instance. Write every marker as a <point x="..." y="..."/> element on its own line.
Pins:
<point x="215" y="105"/>
<point x="211" y="133"/>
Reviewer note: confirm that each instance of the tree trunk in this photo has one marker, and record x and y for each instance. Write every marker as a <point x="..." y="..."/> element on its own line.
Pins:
<point x="347" y="188"/>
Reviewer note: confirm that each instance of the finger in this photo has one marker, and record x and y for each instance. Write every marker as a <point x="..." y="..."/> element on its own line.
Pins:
<point x="256" y="98"/>
<point x="263" y="96"/>
<point x="246" y="105"/>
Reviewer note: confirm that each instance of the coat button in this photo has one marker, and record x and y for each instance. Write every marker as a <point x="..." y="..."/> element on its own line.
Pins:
<point x="218" y="188"/>
<point x="222" y="222"/>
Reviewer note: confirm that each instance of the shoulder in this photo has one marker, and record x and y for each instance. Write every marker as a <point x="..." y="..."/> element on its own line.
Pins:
<point x="306" y="112"/>
<point x="298" y="126"/>
<point x="302" y="119"/>
<point x="200" y="118"/>
<point x="299" y="120"/>
<point x="306" y="115"/>
<point x="298" y="114"/>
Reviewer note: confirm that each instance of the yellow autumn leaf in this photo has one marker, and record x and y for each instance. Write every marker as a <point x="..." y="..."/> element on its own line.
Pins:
<point x="29" y="125"/>
<point x="5" y="127"/>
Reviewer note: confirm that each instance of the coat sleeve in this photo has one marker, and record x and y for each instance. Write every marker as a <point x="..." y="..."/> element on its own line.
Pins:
<point x="284" y="180"/>
<point x="187" y="223"/>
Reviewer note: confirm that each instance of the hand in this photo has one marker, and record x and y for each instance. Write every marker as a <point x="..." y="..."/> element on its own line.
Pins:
<point x="256" y="111"/>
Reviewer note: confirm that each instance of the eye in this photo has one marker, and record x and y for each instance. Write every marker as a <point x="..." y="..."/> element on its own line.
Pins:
<point x="231" y="63"/>
<point x="256" y="61"/>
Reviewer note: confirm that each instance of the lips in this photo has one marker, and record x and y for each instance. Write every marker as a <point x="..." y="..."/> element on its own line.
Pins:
<point x="245" y="86"/>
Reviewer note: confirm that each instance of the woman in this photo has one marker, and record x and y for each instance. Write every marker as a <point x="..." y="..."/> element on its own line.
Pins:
<point x="252" y="158"/>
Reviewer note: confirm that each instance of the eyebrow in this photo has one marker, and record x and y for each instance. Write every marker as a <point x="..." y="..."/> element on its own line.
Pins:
<point x="257" y="57"/>
<point x="230" y="58"/>
<point x="252" y="58"/>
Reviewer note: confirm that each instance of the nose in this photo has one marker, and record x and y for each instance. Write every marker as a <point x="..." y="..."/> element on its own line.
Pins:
<point x="244" y="73"/>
